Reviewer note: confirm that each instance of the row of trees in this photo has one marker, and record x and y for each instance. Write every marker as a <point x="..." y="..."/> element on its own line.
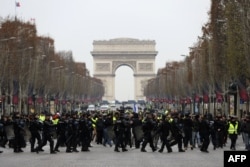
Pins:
<point x="218" y="64"/>
<point x="32" y="74"/>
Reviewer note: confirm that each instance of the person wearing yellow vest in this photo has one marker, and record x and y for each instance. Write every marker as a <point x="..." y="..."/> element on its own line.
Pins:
<point x="55" y="119"/>
<point x="42" y="117"/>
<point x="94" y="120"/>
<point x="232" y="129"/>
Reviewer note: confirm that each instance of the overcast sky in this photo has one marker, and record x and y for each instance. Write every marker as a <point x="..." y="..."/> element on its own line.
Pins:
<point x="174" y="24"/>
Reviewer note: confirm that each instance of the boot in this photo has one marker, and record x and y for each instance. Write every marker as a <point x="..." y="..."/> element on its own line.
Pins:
<point x="154" y="149"/>
<point x="75" y="150"/>
<point x="181" y="150"/>
<point x="170" y="150"/>
<point x="116" y="150"/>
<point x="124" y="149"/>
<point x="52" y="152"/>
<point x="68" y="151"/>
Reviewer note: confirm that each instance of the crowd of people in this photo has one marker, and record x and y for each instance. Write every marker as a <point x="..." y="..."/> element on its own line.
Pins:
<point x="122" y="129"/>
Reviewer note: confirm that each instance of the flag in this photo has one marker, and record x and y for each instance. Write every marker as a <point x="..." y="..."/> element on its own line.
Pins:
<point x="18" y="4"/>
<point x="243" y="92"/>
<point x="15" y="98"/>
<point x="218" y="93"/>
<point x="205" y="95"/>
<point x="135" y="108"/>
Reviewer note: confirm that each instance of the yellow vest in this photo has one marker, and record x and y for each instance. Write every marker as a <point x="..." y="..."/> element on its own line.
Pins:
<point x="55" y="121"/>
<point x="94" y="122"/>
<point x="42" y="117"/>
<point x="232" y="129"/>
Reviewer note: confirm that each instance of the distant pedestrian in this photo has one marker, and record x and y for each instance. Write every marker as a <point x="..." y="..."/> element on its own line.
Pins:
<point x="233" y="129"/>
<point x="204" y="130"/>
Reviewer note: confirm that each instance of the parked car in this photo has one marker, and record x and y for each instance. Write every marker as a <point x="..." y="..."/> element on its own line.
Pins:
<point x="91" y="107"/>
<point x="104" y="107"/>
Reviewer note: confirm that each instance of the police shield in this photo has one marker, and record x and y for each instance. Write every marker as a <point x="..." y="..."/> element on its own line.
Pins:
<point x="9" y="132"/>
<point x="110" y="132"/>
<point x="138" y="133"/>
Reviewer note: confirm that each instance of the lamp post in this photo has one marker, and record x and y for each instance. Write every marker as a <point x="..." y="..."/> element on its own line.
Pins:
<point x="49" y="98"/>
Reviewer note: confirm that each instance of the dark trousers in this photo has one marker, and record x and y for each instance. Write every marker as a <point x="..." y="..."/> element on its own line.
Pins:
<point x="220" y="138"/>
<point x="47" y="137"/>
<point x="148" y="139"/>
<point x="233" y="138"/>
<point x="119" y="142"/>
<point x="165" y="142"/>
<point x="84" y="139"/>
<point x="99" y="136"/>
<point x="35" y="136"/>
<point x="187" y="137"/>
<point x="19" y="142"/>
<point x="61" y="139"/>
<point x="205" y="141"/>
<point x="177" y="140"/>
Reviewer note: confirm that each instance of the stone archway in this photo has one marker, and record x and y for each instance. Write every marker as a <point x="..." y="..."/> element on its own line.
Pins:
<point x="109" y="55"/>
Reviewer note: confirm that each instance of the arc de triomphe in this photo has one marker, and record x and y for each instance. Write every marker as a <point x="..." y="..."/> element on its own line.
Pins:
<point x="109" y="55"/>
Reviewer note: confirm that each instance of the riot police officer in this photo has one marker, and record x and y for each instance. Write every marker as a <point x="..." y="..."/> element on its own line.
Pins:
<point x="35" y="126"/>
<point x="148" y="126"/>
<point x="60" y="131"/>
<point x="164" y="131"/>
<point x="18" y="127"/>
<point x="177" y="130"/>
<point x="119" y="129"/>
<point x="48" y="130"/>
<point x="85" y="132"/>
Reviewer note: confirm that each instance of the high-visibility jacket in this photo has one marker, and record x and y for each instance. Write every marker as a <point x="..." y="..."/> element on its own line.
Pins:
<point x="55" y="121"/>
<point x="114" y="119"/>
<point x="233" y="129"/>
<point x="94" y="122"/>
<point x="170" y="120"/>
<point x="42" y="118"/>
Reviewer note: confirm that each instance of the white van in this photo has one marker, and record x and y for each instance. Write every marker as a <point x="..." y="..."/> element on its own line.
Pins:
<point x="91" y="107"/>
<point x="104" y="107"/>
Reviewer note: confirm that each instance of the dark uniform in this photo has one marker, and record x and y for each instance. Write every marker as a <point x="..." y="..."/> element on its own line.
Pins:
<point x="177" y="132"/>
<point x="99" y="130"/>
<point x="35" y="126"/>
<point x="119" y="129"/>
<point x="187" y="129"/>
<point x="127" y="131"/>
<point x="137" y="130"/>
<point x="60" y="131"/>
<point x="148" y="126"/>
<point x="219" y="127"/>
<point x="48" y="130"/>
<point x="18" y="127"/>
<point x="163" y="130"/>
<point x="85" y="132"/>
<point x="204" y="130"/>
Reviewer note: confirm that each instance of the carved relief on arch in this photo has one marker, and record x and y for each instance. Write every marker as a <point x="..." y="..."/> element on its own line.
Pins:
<point x="116" y="64"/>
<point x="102" y="67"/>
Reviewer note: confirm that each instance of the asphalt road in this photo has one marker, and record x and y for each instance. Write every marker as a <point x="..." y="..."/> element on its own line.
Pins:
<point x="101" y="156"/>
